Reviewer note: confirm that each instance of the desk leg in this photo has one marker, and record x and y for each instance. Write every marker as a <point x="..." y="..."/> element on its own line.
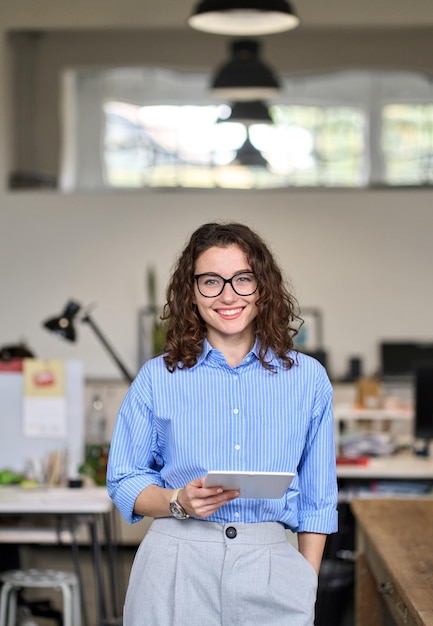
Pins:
<point x="368" y="602"/>
<point x="77" y="568"/>
<point x="97" y="562"/>
<point x="112" y="560"/>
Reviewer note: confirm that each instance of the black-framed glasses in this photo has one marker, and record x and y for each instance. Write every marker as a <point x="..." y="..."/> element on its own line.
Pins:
<point x="212" y="285"/>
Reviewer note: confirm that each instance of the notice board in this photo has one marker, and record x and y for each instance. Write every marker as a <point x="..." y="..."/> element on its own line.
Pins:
<point x="18" y="445"/>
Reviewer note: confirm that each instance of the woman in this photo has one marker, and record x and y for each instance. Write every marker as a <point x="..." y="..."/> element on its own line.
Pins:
<point x="230" y="393"/>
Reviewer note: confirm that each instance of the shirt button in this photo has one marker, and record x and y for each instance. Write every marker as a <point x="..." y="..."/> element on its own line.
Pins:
<point x="236" y="514"/>
<point x="231" y="532"/>
<point x="237" y="447"/>
<point x="235" y="411"/>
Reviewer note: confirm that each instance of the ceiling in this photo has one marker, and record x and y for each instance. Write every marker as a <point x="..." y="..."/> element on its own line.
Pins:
<point x="173" y="14"/>
<point x="314" y="13"/>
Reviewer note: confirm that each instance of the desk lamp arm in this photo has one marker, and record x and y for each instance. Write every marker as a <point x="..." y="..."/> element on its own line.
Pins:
<point x="88" y="320"/>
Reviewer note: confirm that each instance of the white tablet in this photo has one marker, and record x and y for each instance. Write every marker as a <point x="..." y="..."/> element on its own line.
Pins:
<point x="252" y="484"/>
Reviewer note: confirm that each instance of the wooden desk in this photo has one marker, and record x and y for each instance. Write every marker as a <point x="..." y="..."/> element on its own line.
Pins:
<point x="394" y="564"/>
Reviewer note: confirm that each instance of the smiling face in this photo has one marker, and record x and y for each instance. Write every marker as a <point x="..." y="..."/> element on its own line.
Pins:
<point x="228" y="317"/>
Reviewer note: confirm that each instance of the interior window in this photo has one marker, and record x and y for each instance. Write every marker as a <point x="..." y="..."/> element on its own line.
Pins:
<point x="154" y="128"/>
<point x="407" y="143"/>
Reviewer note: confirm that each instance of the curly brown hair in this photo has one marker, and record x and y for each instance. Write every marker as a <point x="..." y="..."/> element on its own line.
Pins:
<point x="277" y="315"/>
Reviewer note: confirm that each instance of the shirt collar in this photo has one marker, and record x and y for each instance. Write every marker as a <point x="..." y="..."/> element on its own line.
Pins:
<point x="270" y="356"/>
<point x="208" y="353"/>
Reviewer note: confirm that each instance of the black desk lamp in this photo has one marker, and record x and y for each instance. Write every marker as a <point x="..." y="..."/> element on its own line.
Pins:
<point x="63" y="326"/>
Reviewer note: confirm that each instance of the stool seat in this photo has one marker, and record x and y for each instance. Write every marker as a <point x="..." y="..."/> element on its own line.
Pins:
<point x="38" y="577"/>
<point x="14" y="580"/>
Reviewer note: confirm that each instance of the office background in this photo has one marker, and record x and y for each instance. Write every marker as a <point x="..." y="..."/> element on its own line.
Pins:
<point x="363" y="257"/>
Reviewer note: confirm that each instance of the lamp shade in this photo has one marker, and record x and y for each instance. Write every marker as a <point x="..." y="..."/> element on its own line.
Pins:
<point x="63" y="325"/>
<point x="249" y="156"/>
<point x="255" y="112"/>
<point x="243" y="17"/>
<point x="244" y="77"/>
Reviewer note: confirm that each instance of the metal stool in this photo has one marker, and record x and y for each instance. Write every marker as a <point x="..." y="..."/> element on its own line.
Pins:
<point x="18" y="579"/>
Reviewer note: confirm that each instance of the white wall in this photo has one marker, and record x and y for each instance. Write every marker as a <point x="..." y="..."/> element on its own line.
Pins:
<point x="364" y="257"/>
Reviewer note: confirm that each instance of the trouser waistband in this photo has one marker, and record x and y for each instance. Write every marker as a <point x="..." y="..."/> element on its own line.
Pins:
<point x="198" y="530"/>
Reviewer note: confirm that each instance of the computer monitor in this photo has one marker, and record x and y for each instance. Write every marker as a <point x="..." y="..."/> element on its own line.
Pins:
<point x="398" y="359"/>
<point x="423" y="378"/>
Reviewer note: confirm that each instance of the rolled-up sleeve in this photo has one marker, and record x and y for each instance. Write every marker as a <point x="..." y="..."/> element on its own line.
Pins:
<point x="133" y="462"/>
<point x="318" y="494"/>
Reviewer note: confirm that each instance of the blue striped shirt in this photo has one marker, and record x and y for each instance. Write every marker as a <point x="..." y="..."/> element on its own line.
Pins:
<point x="174" y="427"/>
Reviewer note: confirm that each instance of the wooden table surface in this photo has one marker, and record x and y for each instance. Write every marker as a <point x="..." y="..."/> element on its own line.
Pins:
<point x="396" y="541"/>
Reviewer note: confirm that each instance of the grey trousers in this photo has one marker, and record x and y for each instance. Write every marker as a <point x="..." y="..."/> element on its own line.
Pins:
<point x="195" y="573"/>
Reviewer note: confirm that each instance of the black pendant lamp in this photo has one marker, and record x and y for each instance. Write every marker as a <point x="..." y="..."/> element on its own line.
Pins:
<point x="254" y="112"/>
<point x="245" y="77"/>
<point x="249" y="156"/>
<point x="243" y="17"/>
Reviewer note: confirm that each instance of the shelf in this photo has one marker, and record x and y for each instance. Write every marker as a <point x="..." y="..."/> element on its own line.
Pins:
<point x="404" y="467"/>
<point x="348" y="413"/>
